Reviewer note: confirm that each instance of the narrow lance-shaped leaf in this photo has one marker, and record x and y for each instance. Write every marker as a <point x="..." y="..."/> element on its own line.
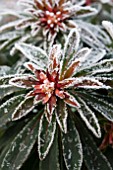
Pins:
<point x="72" y="148"/>
<point x="7" y="90"/>
<point x="8" y="42"/>
<point x="21" y="146"/>
<point x="71" y="44"/>
<point x="88" y="35"/>
<point x="94" y="56"/>
<point x="61" y="115"/>
<point x="89" y="118"/>
<point x="94" y="159"/>
<point x="51" y="161"/>
<point x="4" y="79"/>
<point x="83" y="12"/>
<point x="7" y="108"/>
<point x="8" y="26"/>
<point x="23" y="108"/>
<point x="9" y="35"/>
<point x="104" y="66"/>
<point x="70" y="47"/>
<point x="33" y="53"/>
<point x="101" y="105"/>
<point x="45" y="136"/>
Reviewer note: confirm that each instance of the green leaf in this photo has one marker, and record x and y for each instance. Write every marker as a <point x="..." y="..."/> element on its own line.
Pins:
<point x="104" y="66"/>
<point x="71" y="44"/>
<point x="61" y="115"/>
<point x="94" y="159"/>
<point x="7" y="90"/>
<point x="89" y="117"/>
<point x="4" y="80"/>
<point x="4" y="70"/>
<point x="21" y="146"/>
<point x="23" y="108"/>
<point x="33" y="53"/>
<point x="51" y="162"/>
<point x="8" y="42"/>
<point x="7" y="108"/>
<point x="72" y="148"/>
<point x="45" y="136"/>
<point x="93" y="35"/>
<point x="100" y="104"/>
<point x="84" y="11"/>
<point x="9" y="35"/>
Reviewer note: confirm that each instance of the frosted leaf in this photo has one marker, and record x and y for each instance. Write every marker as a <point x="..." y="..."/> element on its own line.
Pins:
<point x="72" y="148"/>
<point x="4" y="70"/>
<point x="35" y="67"/>
<point x="89" y="118"/>
<point x="71" y="44"/>
<point x="23" y="108"/>
<point x="4" y="12"/>
<point x="25" y="81"/>
<point x="109" y="27"/>
<point x="8" y="42"/>
<point x="93" y="157"/>
<point x="93" y="35"/>
<point x="24" y="23"/>
<point x="9" y="35"/>
<point x="94" y="56"/>
<point x="4" y="79"/>
<point x="89" y="83"/>
<point x="101" y="105"/>
<point x="45" y="136"/>
<point x="104" y="66"/>
<point x="21" y="146"/>
<point x="8" y="26"/>
<point x="78" y="2"/>
<point x="80" y="12"/>
<point x="61" y="115"/>
<point x="70" y="100"/>
<point x="54" y="160"/>
<point x="7" y="90"/>
<point x="7" y="108"/>
<point x="35" y="54"/>
<point x="80" y="56"/>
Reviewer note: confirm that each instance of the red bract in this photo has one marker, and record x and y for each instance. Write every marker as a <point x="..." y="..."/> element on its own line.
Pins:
<point x="108" y="138"/>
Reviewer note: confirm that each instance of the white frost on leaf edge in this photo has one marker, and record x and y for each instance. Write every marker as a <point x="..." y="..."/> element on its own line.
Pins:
<point x="109" y="27"/>
<point x="98" y="133"/>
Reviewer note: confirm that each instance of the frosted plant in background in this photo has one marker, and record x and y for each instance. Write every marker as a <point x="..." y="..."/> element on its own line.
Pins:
<point x="52" y="16"/>
<point x="41" y="21"/>
<point x="61" y="91"/>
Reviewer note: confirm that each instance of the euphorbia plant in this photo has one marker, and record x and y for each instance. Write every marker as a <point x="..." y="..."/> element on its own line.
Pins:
<point x="54" y="101"/>
<point x="65" y="83"/>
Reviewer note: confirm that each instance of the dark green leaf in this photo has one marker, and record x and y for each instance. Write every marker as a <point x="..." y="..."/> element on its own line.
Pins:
<point x="45" y="136"/>
<point x="100" y="104"/>
<point x="51" y="160"/>
<point x="93" y="157"/>
<point x="72" y="148"/>
<point x="7" y="108"/>
<point x="23" y="108"/>
<point x="21" y="146"/>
